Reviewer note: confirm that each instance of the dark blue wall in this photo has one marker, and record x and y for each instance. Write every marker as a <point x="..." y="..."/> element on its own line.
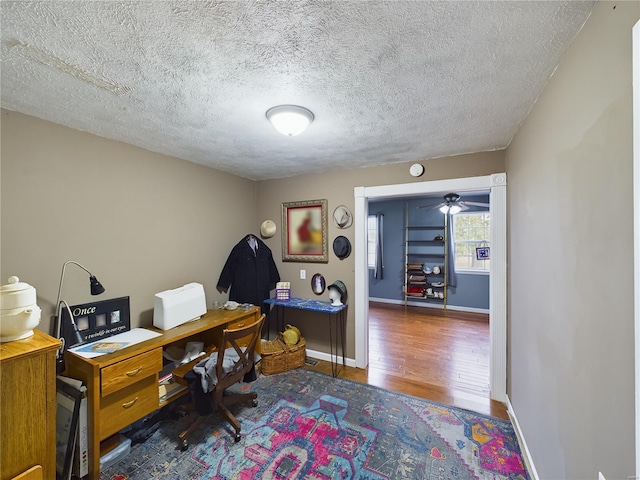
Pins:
<point x="473" y="289"/>
<point x="390" y="287"/>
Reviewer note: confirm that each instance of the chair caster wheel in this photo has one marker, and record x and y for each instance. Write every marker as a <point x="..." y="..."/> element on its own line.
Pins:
<point x="182" y="413"/>
<point x="237" y="438"/>
<point x="185" y="446"/>
<point x="254" y="402"/>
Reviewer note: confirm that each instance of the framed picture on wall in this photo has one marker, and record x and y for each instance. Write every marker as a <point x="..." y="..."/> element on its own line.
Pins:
<point x="304" y="231"/>
<point x="483" y="253"/>
<point x="318" y="284"/>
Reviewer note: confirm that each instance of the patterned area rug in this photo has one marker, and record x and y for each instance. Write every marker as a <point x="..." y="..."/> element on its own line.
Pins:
<point x="311" y="426"/>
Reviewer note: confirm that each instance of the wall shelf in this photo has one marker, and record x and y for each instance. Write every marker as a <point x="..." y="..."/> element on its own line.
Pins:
<point x="424" y="252"/>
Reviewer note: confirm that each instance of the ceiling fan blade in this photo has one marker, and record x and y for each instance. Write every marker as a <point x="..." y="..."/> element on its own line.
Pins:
<point x="431" y="207"/>
<point x="476" y="204"/>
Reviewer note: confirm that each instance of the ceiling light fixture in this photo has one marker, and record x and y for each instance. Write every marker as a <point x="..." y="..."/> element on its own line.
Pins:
<point x="290" y="120"/>
<point x="452" y="209"/>
<point x="451" y="204"/>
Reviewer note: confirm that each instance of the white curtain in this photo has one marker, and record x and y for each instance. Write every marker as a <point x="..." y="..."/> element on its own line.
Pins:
<point x="379" y="267"/>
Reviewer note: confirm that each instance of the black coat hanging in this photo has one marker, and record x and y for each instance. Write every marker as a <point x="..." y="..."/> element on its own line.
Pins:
<point x="250" y="274"/>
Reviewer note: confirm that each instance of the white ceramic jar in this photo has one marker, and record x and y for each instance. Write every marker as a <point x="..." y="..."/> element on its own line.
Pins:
<point x="19" y="314"/>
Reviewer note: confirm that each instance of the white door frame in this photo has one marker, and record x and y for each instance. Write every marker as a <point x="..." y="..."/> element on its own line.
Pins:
<point x="636" y="225"/>
<point x="497" y="185"/>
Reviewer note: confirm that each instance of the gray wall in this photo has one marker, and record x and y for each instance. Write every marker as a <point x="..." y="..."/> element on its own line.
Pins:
<point x="140" y="221"/>
<point x="472" y="291"/>
<point x="571" y="350"/>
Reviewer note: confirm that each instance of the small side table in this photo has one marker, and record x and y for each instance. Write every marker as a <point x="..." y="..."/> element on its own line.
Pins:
<point x="337" y="313"/>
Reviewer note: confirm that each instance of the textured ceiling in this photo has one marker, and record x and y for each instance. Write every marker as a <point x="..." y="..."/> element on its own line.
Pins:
<point x="388" y="81"/>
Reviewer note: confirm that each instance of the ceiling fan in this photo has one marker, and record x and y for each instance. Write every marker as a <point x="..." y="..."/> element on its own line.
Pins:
<point x="452" y="204"/>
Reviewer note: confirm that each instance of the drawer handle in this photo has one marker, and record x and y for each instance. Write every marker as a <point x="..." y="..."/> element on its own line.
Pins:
<point x="129" y="404"/>
<point x="133" y="373"/>
<point x="240" y="325"/>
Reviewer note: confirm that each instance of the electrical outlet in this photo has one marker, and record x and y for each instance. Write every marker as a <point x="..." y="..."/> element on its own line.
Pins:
<point x="303" y="274"/>
<point x="601" y="476"/>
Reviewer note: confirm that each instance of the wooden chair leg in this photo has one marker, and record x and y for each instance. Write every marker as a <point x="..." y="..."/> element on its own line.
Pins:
<point x="184" y="442"/>
<point x="231" y="419"/>
<point x="238" y="398"/>
<point x="234" y="399"/>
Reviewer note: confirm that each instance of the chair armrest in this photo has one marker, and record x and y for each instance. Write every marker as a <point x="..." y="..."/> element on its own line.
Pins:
<point x="180" y="371"/>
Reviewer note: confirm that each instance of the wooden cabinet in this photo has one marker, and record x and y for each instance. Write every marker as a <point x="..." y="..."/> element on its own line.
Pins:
<point x="122" y="387"/>
<point x="28" y="406"/>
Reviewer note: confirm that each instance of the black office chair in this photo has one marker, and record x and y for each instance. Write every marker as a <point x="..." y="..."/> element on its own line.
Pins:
<point x="242" y="341"/>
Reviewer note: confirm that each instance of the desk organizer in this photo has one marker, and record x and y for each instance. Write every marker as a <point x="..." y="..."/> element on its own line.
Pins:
<point x="278" y="357"/>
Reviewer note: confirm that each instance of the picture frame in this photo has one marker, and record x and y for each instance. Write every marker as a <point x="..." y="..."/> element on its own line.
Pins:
<point x="318" y="284"/>
<point x="96" y="320"/>
<point x="483" y="253"/>
<point x="304" y="231"/>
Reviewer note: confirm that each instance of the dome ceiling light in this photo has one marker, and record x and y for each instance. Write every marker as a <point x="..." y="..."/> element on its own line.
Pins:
<point x="290" y="120"/>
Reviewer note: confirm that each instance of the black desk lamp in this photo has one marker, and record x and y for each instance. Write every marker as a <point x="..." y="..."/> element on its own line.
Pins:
<point x="96" y="289"/>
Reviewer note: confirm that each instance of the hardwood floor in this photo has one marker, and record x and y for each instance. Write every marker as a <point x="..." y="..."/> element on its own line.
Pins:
<point x="427" y="353"/>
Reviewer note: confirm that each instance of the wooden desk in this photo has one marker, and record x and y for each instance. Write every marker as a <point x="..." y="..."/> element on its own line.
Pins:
<point x="335" y="312"/>
<point x="28" y="405"/>
<point x="122" y="387"/>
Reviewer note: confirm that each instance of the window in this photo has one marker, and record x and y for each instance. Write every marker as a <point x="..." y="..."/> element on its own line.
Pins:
<point x="372" y="234"/>
<point x="471" y="231"/>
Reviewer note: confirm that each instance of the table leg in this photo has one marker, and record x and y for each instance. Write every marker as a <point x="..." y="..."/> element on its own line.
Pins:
<point x="343" y="323"/>
<point x="269" y="322"/>
<point x="333" y="364"/>
<point x="280" y="322"/>
<point x="339" y="344"/>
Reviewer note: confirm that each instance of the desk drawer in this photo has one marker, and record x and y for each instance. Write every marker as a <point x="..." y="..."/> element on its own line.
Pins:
<point x="130" y="371"/>
<point x="128" y="405"/>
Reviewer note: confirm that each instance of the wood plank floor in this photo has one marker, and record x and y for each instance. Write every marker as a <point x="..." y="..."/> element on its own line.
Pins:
<point x="428" y="353"/>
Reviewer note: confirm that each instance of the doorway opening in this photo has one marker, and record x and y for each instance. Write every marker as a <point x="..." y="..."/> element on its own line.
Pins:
<point x="496" y="184"/>
<point x="437" y="343"/>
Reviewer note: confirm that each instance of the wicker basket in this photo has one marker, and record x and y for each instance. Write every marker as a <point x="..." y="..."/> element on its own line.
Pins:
<point x="278" y="357"/>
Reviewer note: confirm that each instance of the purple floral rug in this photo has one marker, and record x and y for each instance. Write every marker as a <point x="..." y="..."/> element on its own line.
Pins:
<point x="311" y="426"/>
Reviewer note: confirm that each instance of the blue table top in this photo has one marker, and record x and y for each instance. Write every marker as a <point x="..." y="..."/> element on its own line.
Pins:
<point x="306" y="304"/>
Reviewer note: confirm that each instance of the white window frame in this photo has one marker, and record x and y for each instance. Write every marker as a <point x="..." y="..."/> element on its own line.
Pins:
<point x="486" y="242"/>
<point x="372" y="233"/>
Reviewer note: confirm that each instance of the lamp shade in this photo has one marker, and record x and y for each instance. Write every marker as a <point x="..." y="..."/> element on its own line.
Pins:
<point x="96" y="286"/>
<point x="290" y="120"/>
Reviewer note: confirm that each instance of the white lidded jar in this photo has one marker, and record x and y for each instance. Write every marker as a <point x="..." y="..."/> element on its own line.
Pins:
<point x="19" y="314"/>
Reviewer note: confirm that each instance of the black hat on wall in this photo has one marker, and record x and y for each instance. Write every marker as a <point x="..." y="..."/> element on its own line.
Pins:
<point x="342" y="247"/>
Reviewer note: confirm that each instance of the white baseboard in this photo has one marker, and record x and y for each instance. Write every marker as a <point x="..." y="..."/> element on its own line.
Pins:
<point x="351" y="362"/>
<point x="430" y="305"/>
<point x="386" y="300"/>
<point x="468" y="309"/>
<point x="523" y="444"/>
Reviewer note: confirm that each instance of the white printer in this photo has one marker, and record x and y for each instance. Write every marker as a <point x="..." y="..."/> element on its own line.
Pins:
<point x="178" y="306"/>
